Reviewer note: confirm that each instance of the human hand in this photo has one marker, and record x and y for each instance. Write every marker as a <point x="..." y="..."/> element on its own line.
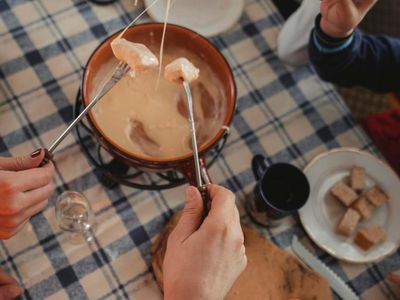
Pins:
<point x="203" y="260"/>
<point x="340" y="17"/>
<point x="24" y="190"/>
<point x="9" y="287"/>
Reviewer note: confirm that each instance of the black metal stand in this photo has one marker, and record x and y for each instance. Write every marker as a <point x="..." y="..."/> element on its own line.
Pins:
<point x="102" y="2"/>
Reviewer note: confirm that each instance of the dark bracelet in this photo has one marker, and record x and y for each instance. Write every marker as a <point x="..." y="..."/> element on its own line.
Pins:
<point x="324" y="38"/>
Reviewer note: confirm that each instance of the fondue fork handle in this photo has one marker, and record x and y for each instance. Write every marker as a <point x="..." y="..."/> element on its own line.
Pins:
<point x="47" y="157"/>
<point x="205" y="195"/>
<point x="116" y="76"/>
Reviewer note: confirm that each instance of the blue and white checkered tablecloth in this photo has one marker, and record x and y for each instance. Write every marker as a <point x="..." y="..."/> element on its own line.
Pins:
<point x="286" y="114"/>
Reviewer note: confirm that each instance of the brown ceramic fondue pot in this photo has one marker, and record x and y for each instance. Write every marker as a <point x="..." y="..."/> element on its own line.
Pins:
<point x="176" y="36"/>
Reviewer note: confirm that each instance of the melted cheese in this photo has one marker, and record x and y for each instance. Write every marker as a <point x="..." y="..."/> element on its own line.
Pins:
<point x="167" y="10"/>
<point x="153" y="122"/>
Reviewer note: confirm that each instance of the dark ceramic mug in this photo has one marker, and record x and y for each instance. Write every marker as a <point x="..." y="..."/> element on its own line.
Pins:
<point x="281" y="190"/>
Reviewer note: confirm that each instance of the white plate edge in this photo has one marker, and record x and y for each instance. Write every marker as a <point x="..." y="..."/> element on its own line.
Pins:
<point x="309" y="231"/>
<point x="221" y="30"/>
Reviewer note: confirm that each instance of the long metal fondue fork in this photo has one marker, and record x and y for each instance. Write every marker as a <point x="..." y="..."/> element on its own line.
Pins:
<point x="193" y="131"/>
<point x="200" y="186"/>
<point x="118" y="73"/>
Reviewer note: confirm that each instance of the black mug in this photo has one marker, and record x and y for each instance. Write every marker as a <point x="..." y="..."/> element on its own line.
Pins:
<point x="281" y="190"/>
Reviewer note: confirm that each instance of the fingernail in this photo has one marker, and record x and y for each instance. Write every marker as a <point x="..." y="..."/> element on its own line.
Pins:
<point x="36" y="153"/>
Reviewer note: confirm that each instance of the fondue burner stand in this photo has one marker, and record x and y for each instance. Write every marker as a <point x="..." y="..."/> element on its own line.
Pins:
<point x="113" y="172"/>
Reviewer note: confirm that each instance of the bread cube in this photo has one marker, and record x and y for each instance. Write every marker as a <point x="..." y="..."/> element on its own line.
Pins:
<point x="348" y="222"/>
<point x="376" y="196"/>
<point x="366" y="238"/>
<point x="363" y="207"/>
<point x="137" y="56"/>
<point x="357" y="178"/>
<point x="344" y="193"/>
<point x="181" y="69"/>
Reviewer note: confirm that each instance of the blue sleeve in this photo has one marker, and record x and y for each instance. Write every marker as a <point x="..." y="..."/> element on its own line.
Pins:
<point x="369" y="61"/>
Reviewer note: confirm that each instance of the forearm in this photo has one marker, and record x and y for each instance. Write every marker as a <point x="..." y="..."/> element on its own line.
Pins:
<point x="372" y="62"/>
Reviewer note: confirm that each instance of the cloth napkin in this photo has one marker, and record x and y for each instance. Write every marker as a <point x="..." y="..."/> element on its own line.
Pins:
<point x="384" y="130"/>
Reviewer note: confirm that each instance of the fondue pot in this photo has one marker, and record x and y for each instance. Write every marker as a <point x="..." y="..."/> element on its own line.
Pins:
<point x="177" y="37"/>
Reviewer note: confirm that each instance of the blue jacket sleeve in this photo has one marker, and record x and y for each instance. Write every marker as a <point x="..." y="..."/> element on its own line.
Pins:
<point x="369" y="61"/>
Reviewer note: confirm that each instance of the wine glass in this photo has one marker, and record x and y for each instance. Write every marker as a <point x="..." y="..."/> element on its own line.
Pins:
<point x="74" y="215"/>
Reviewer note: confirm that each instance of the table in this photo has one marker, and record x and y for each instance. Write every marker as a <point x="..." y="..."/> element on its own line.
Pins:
<point x="284" y="113"/>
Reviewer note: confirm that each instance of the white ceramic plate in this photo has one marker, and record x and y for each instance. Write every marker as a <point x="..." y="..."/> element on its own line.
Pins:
<point x="207" y="17"/>
<point x="322" y="212"/>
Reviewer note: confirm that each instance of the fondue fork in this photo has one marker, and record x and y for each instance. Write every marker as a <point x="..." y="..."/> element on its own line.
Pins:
<point x="200" y="186"/>
<point x="118" y="73"/>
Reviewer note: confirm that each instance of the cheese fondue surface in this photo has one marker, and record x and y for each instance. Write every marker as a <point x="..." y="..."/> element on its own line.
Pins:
<point x="152" y="123"/>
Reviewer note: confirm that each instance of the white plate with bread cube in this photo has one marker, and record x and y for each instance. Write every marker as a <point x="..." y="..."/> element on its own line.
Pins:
<point x="353" y="211"/>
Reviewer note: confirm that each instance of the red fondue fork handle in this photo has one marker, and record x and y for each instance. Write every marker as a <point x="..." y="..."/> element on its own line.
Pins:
<point x="189" y="171"/>
<point x="205" y="195"/>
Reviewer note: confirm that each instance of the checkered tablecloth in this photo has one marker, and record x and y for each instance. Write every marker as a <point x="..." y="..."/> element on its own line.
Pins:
<point x="286" y="114"/>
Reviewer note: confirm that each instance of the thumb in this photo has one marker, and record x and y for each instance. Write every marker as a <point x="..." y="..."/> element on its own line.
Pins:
<point x="22" y="162"/>
<point x="192" y="215"/>
<point x="10" y="291"/>
<point x="365" y="5"/>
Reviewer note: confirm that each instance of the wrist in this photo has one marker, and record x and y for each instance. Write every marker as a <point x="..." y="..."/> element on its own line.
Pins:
<point x="172" y="293"/>
<point x="333" y="31"/>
